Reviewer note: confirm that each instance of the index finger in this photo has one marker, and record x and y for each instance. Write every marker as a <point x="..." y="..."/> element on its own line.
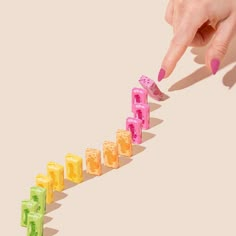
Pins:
<point x="183" y="37"/>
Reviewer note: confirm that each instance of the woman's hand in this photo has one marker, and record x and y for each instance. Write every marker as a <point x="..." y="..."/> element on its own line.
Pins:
<point x="195" y="23"/>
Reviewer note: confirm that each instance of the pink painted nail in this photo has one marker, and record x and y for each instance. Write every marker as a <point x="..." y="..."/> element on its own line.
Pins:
<point x="215" y="64"/>
<point x="161" y="74"/>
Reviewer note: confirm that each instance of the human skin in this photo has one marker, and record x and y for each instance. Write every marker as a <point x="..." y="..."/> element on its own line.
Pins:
<point x="196" y="23"/>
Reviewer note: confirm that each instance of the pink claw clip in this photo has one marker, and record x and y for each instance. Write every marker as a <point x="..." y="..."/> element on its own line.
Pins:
<point x="139" y="95"/>
<point x="142" y="112"/>
<point x="134" y="125"/>
<point x="151" y="88"/>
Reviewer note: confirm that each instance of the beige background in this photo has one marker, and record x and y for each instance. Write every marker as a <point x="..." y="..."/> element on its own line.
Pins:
<point x="66" y="72"/>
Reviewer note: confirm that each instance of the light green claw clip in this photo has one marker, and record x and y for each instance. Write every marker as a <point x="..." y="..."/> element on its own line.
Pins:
<point x="38" y="194"/>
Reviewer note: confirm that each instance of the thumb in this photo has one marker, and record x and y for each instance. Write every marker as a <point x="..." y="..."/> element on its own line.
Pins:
<point x="220" y="43"/>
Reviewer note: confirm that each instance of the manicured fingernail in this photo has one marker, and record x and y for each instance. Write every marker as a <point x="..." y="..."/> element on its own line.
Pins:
<point x="215" y="64"/>
<point x="161" y="74"/>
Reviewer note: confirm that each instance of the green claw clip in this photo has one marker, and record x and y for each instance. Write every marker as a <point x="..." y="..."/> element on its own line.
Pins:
<point x="27" y="206"/>
<point x="35" y="224"/>
<point x="38" y="194"/>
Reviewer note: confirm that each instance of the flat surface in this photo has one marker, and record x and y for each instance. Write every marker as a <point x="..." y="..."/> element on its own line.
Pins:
<point x="67" y="69"/>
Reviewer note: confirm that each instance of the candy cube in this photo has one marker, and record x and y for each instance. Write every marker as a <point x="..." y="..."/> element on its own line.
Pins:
<point x="93" y="161"/>
<point x="124" y="142"/>
<point x="139" y="95"/>
<point x="134" y="125"/>
<point x="142" y="112"/>
<point x="56" y="172"/>
<point x="35" y="224"/>
<point x="46" y="182"/>
<point x="38" y="194"/>
<point x="110" y="154"/>
<point x="151" y="88"/>
<point x="74" y="168"/>
<point x="27" y="206"/>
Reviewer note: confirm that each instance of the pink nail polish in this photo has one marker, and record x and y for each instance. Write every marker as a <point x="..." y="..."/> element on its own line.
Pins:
<point x="161" y="74"/>
<point x="215" y="64"/>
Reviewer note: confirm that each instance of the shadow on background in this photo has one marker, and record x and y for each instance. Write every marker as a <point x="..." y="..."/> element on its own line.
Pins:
<point x="69" y="184"/>
<point x="154" y="106"/>
<point x="203" y="72"/>
<point x="229" y="79"/>
<point x="165" y="97"/>
<point x="52" y="207"/>
<point x="146" y="136"/>
<point x="49" y="231"/>
<point x="137" y="149"/>
<point x="47" y="219"/>
<point x="105" y="169"/>
<point x="87" y="176"/>
<point x="59" y="196"/>
<point x="154" y="122"/>
<point x="124" y="161"/>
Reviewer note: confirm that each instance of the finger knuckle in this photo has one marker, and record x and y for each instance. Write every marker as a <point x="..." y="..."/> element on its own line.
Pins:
<point x="180" y="2"/>
<point x="178" y="42"/>
<point x="221" y="47"/>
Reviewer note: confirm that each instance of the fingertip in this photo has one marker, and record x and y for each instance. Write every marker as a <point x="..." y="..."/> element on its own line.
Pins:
<point x="161" y="74"/>
<point x="215" y="64"/>
<point x="219" y="45"/>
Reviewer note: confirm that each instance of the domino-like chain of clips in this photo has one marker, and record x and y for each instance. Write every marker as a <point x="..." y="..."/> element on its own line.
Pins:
<point x="33" y="210"/>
